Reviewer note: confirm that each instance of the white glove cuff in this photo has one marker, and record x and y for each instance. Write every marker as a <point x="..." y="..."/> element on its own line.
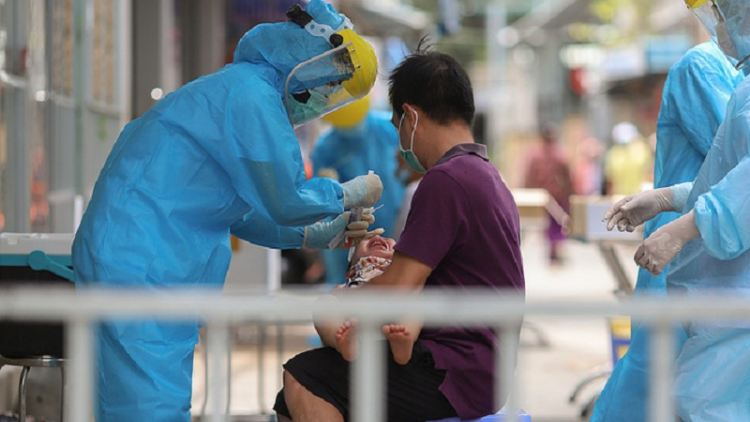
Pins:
<point x="680" y="195"/>
<point x="304" y="238"/>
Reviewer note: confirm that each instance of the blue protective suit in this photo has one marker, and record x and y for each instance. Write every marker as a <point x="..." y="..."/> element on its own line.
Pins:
<point x="371" y="145"/>
<point x="713" y="368"/>
<point x="694" y="102"/>
<point x="219" y="152"/>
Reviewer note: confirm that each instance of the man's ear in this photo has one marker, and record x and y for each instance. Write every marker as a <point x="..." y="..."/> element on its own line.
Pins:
<point x="409" y="111"/>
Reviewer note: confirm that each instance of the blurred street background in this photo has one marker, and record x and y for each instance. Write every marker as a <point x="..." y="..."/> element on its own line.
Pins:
<point x="74" y="72"/>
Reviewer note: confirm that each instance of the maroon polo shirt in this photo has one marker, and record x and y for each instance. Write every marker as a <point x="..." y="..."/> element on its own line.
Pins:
<point x="464" y="224"/>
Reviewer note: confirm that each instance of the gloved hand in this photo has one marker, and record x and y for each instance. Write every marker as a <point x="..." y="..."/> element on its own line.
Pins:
<point x="320" y="234"/>
<point x="356" y="231"/>
<point x="662" y="246"/>
<point x="634" y="210"/>
<point x="362" y="191"/>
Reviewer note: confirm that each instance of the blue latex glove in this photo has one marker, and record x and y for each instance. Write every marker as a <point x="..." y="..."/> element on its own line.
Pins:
<point x="319" y="235"/>
<point x="362" y="191"/>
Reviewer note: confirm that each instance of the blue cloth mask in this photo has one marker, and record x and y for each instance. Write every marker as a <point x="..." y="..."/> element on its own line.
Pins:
<point x="408" y="155"/>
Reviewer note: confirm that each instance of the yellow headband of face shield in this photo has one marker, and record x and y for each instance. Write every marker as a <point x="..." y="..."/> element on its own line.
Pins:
<point x="694" y="4"/>
<point x="364" y="61"/>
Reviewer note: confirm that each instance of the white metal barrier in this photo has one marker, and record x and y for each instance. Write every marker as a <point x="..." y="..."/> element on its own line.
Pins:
<point x="80" y="311"/>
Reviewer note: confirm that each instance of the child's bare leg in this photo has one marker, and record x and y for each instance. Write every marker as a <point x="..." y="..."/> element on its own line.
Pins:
<point x="327" y="328"/>
<point x="327" y="332"/>
<point x="401" y="338"/>
<point x="346" y="342"/>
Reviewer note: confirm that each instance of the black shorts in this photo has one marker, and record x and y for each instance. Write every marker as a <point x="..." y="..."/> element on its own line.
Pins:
<point x="412" y="389"/>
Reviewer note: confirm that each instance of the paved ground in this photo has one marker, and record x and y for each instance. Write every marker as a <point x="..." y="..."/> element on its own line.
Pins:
<point x="547" y="373"/>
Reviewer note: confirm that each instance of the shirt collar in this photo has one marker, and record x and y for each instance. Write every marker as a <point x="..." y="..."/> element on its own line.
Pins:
<point x="462" y="149"/>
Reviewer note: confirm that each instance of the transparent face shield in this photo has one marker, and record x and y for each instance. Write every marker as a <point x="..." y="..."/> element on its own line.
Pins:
<point x="713" y="20"/>
<point x="321" y="81"/>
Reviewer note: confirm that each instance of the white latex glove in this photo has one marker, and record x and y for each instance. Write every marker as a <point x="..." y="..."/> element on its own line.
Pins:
<point x="320" y="234"/>
<point x="632" y="211"/>
<point x="358" y="230"/>
<point x="362" y="191"/>
<point x="662" y="246"/>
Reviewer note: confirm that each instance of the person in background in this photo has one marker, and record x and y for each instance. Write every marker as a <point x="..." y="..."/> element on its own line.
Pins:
<point x="627" y="162"/>
<point x="360" y="140"/>
<point x="463" y="232"/>
<point x="708" y="247"/>
<point x="694" y="102"/>
<point x="548" y="169"/>
<point x="587" y="171"/>
<point x="217" y="156"/>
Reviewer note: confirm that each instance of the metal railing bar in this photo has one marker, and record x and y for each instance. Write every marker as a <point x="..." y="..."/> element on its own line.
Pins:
<point x="79" y="349"/>
<point x="218" y="339"/>
<point x="81" y="310"/>
<point x="661" y="400"/>
<point x="451" y="309"/>
<point x="369" y="374"/>
<point x="505" y="360"/>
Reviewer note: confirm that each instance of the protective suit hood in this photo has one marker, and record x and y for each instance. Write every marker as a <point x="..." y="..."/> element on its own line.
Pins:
<point x="284" y="45"/>
<point x="728" y="23"/>
<point x="737" y="20"/>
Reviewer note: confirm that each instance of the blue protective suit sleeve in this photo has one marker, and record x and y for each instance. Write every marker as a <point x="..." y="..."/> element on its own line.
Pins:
<point x="264" y="161"/>
<point x="698" y="90"/>
<point x="722" y="214"/>
<point x="259" y="229"/>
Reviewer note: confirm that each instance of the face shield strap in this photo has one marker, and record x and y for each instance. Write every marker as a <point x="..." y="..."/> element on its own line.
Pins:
<point x="326" y="32"/>
<point x="306" y="21"/>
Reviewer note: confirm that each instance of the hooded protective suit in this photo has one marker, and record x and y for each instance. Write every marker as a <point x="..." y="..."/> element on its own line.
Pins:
<point x="219" y="152"/>
<point x="694" y="102"/>
<point x="351" y="151"/>
<point x="713" y="382"/>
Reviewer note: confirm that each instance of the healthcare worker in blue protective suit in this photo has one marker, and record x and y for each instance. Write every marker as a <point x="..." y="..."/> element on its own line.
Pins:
<point x="709" y="245"/>
<point x="694" y="101"/>
<point x="360" y="140"/>
<point x="218" y="155"/>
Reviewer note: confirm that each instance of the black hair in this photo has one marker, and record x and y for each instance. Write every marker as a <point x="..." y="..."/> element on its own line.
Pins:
<point x="436" y="83"/>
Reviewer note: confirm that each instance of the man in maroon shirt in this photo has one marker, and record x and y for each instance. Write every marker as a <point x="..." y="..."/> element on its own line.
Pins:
<point x="462" y="231"/>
